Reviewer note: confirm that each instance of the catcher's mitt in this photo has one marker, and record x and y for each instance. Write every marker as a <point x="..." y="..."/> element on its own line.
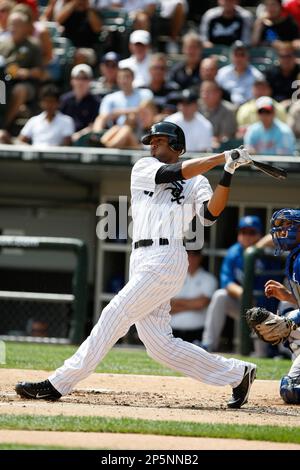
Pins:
<point x="269" y="327"/>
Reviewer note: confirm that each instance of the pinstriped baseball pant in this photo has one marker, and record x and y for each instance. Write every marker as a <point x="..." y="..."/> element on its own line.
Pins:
<point x="156" y="275"/>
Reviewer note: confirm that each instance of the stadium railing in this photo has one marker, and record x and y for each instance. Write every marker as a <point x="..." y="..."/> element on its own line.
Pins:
<point x="64" y="313"/>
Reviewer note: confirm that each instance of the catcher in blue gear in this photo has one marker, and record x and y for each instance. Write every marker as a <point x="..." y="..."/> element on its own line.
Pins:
<point x="285" y="231"/>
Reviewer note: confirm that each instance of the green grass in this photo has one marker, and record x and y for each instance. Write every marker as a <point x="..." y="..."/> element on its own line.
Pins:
<point x="31" y="447"/>
<point x="49" y="357"/>
<point x="118" y="361"/>
<point x="141" y="426"/>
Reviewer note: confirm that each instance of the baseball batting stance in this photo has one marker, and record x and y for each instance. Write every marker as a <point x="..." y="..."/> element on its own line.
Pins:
<point x="274" y="329"/>
<point x="161" y="186"/>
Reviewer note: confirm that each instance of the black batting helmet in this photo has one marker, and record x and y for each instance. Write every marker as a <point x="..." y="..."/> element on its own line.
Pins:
<point x="172" y="131"/>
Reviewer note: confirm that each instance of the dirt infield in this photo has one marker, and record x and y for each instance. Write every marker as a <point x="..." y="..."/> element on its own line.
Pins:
<point x="148" y="397"/>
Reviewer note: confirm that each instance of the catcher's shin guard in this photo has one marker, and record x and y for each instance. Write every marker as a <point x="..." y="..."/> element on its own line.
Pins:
<point x="290" y="389"/>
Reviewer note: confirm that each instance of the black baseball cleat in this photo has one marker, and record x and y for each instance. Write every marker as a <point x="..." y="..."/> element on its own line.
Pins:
<point x="241" y="392"/>
<point x="37" y="390"/>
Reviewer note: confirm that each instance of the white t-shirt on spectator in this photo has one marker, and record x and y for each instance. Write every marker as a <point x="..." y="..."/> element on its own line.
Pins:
<point x="43" y="132"/>
<point x="198" y="131"/>
<point x="201" y="283"/>
<point x="140" y="70"/>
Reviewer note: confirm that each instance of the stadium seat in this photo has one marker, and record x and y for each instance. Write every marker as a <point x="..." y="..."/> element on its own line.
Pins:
<point x="92" y="139"/>
<point x="220" y="51"/>
<point x="263" y="52"/>
<point x="116" y="28"/>
<point x="217" y="49"/>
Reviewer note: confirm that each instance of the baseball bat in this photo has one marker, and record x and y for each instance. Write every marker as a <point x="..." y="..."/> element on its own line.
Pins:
<point x="270" y="170"/>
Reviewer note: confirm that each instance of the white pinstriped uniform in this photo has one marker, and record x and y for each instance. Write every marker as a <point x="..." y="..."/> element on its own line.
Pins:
<point x="157" y="273"/>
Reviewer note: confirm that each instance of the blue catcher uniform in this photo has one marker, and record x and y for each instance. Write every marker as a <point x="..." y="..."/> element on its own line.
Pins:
<point x="232" y="270"/>
<point x="285" y="231"/>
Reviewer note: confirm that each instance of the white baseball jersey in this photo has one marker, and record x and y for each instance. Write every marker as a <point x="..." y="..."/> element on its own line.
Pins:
<point x="157" y="273"/>
<point x="164" y="210"/>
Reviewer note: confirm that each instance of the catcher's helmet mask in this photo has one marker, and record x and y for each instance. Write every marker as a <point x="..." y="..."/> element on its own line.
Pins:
<point x="285" y="225"/>
<point x="175" y="134"/>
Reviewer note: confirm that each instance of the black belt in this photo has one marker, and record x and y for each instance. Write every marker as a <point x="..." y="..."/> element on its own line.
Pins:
<point x="149" y="242"/>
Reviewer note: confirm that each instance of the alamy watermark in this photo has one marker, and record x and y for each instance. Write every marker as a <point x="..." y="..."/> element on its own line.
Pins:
<point x="296" y="94"/>
<point x="152" y="221"/>
<point x="2" y="352"/>
<point x="2" y="92"/>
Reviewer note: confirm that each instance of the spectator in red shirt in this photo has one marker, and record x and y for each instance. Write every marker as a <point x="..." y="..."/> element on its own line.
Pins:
<point x="292" y="7"/>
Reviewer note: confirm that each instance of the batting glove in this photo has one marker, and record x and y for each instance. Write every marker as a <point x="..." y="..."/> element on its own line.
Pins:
<point x="235" y="158"/>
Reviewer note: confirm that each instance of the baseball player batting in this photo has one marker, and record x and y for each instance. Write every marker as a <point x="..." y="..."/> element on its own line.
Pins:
<point x="161" y="186"/>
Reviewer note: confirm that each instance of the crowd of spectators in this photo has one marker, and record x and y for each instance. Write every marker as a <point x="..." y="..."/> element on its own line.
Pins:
<point x="116" y="67"/>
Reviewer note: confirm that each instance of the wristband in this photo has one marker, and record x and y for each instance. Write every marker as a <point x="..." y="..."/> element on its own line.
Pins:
<point x="225" y="179"/>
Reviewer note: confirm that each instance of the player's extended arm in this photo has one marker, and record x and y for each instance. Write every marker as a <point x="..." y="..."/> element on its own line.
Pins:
<point x="198" y="166"/>
<point x="219" y="198"/>
<point x="190" y="168"/>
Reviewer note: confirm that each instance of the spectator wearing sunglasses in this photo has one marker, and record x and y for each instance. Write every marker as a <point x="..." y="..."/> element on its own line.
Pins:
<point x="269" y="136"/>
<point x="282" y="77"/>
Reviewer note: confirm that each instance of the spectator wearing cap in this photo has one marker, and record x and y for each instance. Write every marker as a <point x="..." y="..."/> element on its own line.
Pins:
<point x="117" y="108"/>
<point x="226" y="301"/>
<point x="79" y="103"/>
<point x="139" y="61"/>
<point x="274" y="25"/>
<point x="197" y="129"/>
<point x="186" y="73"/>
<point x="189" y="307"/>
<point x="51" y="127"/>
<point x="225" y="24"/>
<point x="107" y="82"/>
<point x="238" y="77"/>
<point x="269" y="136"/>
<point x="219" y="112"/>
<point x="247" y="112"/>
<point x="160" y="86"/>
